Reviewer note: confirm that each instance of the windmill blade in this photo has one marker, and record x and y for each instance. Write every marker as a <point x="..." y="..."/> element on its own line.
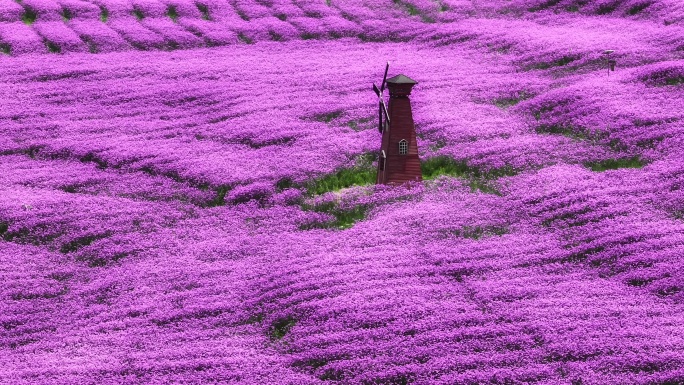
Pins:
<point x="384" y="78"/>
<point x="384" y="109"/>
<point x="380" y="117"/>
<point x="376" y="90"/>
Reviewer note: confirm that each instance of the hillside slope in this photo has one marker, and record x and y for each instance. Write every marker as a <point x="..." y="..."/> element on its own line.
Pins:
<point x="185" y="197"/>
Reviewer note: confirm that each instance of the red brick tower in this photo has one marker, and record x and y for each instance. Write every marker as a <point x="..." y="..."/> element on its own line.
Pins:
<point x="398" y="161"/>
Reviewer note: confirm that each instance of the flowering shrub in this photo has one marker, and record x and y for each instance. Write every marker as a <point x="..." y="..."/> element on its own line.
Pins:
<point x="187" y="193"/>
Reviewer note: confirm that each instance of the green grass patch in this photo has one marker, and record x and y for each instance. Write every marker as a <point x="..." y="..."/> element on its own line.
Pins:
<point x="29" y="17"/>
<point x="281" y="327"/>
<point x="346" y="177"/>
<point x="674" y="81"/>
<point x="242" y="15"/>
<point x="563" y="61"/>
<point x="443" y="165"/>
<point x="477" y="179"/>
<point x="605" y="9"/>
<point x="362" y="123"/>
<point x="559" y="129"/>
<point x="4" y="226"/>
<point x="362" y="174"/>
<point x="80" y="242"/>
<point x="92" y="48"/>
<point x="255" y="319"/>
<point x="220" y="199"/>
<point x="274" y="36"/>
<point x="344" y="219"/>
<point x="477" y="232"/>
<point x="204" y="9"/>
<point x="638" y="8"/>
<point x="505" y="102"/>
<point x="412" y="10"/>
<point x="138" y="14"/>
<point x="328" y="116"/>
<point x="172" y="13"/>
<point x="548" y="4"/>
<point x="5" y="48"/>
<point x="614" y="164"/>
<point x="104" y="14"/>
<point x="439" y="144"/>
<point x="310" y="364"/>
<point x="245" y="39"/>
<point x="66" y="15"/>
<point x="284" y="183"/>
<point x="52" y="47"/>
<point x="639" y="282"/>
<point x="573" y="133"/>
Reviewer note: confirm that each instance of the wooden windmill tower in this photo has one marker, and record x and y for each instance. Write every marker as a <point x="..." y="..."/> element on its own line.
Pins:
<point x="398" y="161"/>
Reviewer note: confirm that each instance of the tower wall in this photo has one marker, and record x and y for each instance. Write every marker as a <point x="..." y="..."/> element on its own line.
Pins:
<point x="399" y="168"/>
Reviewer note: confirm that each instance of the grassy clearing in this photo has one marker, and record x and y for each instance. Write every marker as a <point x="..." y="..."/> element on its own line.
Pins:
<point x="204" y="10"/>
<point x="413" y="11"/>
<point x="328" y="116"/>
<point x="275" y="36"/>
<point x="220" y="198"/>
<point x="438" y="144"/>
<point x="505" y="102"/>
<point x="362" y="174"/>
<point x="52" y="47"/>
<point x="344" y="219"/>
<point x="674" y="81"/>
<point x="245" y="39"/>
<point x="477" y="179"/>
<point x="104" y="14"/>
<point x="563" y="61"/>
<point x="637" y="8"/>
<point x="363" y="123"/>
<point x="138" y="14"/>
<point x="347" y="177"/>
<point x="80" y="242"/>
<point x="574" y="133"/>
<point x="478" y="232"/>
<point x="543" y="6"/>
<point x="309" y="36"/>
<point x="5" y="48"/>
<point x="281" y="327"/>
<point x="172" y="13"/>
<point x="614" y="164"/>
<point x="66" y="15"/>
<point x="92" y="47"/>
<point x="29" y="17"/>
<point x="242" y="14"/>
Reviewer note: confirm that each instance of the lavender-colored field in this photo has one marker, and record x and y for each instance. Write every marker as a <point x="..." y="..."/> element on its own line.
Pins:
<point x="164" y="215"/>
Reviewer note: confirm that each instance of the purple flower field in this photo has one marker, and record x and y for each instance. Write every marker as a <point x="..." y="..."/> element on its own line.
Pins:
<point x="175" y="204"/>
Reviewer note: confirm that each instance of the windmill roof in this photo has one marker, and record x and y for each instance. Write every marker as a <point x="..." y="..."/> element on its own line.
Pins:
<point x="401" y="79"/>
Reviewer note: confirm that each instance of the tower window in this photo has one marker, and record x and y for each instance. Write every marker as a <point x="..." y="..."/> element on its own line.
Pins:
<point x="403" y="147"/>
<point x="383" y="159"/>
